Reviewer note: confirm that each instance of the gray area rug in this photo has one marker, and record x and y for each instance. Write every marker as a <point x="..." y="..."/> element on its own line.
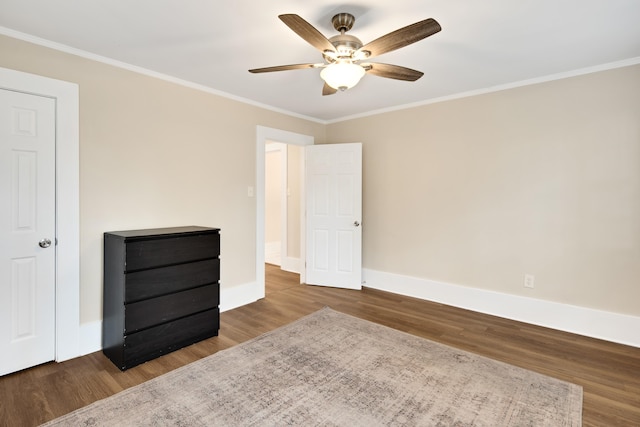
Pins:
<point x="332" y="369"/>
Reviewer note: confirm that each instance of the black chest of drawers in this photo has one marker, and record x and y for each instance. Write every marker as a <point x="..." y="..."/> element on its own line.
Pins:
<point x="161" y="291"/>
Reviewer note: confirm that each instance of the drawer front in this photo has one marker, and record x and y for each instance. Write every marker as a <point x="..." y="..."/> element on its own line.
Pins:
<point x="152" y="312"/>
<point x="146" y="284"/>
<point x="151" y="343"/>
<point x="142" y="254"/>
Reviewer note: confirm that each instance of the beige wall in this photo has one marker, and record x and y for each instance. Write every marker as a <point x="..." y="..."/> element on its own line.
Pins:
<point x="155" y="154"/>
<point x="294" y="180"/>
<point x="543" y="179"/>
<point x="273" y="194"/>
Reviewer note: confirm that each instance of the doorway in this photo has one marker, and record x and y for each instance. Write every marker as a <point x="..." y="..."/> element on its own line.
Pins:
<point x="284" y="169"/>
<point x="265" y="135"/>
<point x="277" y="194"/>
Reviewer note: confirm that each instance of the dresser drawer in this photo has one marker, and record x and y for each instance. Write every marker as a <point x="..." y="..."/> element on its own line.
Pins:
<point x="151" y="343"/>
<point x="142" y="254"/>
<point x="144" y="284"/>
<point x="152" y="312"/>
<point x="161" y="291"/>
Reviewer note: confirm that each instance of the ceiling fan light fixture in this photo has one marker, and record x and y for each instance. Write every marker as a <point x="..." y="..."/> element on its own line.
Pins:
<point x="344" y="54"/>
<point x="342" y="75"/>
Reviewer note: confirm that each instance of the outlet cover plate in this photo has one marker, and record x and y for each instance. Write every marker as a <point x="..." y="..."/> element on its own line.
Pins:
<point x="529" y="280"/>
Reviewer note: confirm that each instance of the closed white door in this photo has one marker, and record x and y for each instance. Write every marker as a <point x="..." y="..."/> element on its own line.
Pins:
<point x="334" y="214"/>
<point x="27" y="230"/>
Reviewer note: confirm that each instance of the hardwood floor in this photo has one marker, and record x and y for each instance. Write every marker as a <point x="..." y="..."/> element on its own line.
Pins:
<point x="609" y="373"/>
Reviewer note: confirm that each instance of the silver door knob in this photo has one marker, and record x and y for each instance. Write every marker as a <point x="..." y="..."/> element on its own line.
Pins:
<point x="44" y="243"/>
<point x="356" y="223"/>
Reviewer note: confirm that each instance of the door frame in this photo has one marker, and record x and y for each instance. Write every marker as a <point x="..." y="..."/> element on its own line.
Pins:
<point x="264" y="134"/>
<point x="67" y="210"/>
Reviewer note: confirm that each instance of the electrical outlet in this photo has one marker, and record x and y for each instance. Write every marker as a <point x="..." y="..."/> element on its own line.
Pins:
<point x="529" y="280"/>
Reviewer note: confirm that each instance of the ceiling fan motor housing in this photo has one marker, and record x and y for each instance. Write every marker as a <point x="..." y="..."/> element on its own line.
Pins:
<point x="345" y="45"/>
<point x="343" y="22"/>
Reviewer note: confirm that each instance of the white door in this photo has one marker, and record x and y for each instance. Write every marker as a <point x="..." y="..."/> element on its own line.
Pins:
<point x="27" y="230"/>
<point x="334" y="214"/>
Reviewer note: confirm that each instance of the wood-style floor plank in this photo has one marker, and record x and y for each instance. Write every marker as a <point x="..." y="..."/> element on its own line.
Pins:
<point x="608" y="372"/>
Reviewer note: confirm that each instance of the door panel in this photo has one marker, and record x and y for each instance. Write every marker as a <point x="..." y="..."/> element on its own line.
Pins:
<point x="27" y="195"/>
<point x="334" y="210"/>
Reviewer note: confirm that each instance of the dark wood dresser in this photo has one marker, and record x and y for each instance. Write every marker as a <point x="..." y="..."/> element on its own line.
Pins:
<point x="161" y="291"/>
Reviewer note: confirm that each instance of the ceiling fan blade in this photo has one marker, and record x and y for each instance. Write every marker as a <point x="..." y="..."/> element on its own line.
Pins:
<point x="282" y="68"/>
<point x="328" y="90"/>
<point x="402" y="37"/>
<point x="393" y="72"/>
<point x="307" y="32"/>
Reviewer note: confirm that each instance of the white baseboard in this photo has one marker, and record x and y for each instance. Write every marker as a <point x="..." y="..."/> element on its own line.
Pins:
<point x="291" y="264"/>
<point x="90" y="337"/>
<point x="273" y="255"/>
<point x="609" y="326"/>
<point x="240" y="295"/>
<point x="614" y="327"/>
<point x="230" y="298"/>
<point x="272" y="252"/>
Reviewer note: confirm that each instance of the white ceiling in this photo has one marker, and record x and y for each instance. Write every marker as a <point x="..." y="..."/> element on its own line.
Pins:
<point x="483" y="44"/>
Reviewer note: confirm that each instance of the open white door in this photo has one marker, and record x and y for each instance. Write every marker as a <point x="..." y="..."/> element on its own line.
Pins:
<point x="27" y="230"/>
<point x="334" y="215"/>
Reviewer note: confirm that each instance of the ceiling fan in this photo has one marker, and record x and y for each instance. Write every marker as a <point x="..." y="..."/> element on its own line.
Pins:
<point x="346" y="57"/>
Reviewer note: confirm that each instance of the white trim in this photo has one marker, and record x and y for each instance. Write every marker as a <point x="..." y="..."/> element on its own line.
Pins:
<point x="67" y="202"/>
<point x="273" y="146"/>
<point x="290" y="264"/>
<point x="230" y="298"/>
<point x="599" y="324"/>
<point x="240" y="295"/>
<point x="498" y="88"/>
<point x="90" y="337"/>
<point x="273" y="253"/>
<point x="144" y="71"/>
<point x="264" y="135"/>
<point x="136" y="69"/>
<point x="615" y="327"/>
